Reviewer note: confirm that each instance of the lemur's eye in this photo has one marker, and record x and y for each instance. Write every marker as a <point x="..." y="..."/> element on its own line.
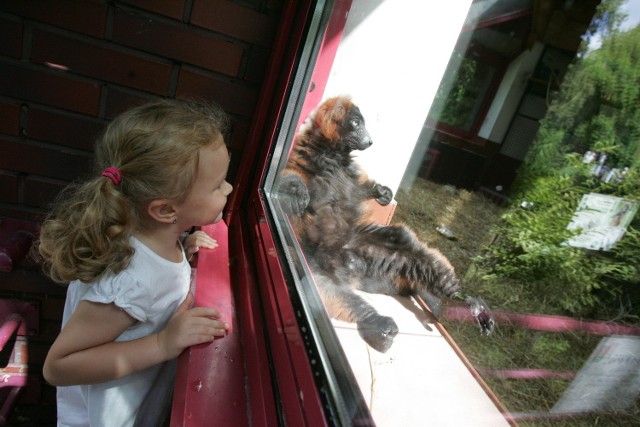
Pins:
<point x="355" y="123"/>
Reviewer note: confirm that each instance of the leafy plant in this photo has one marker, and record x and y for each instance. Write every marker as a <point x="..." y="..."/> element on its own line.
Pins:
<point x="596" y="110"/>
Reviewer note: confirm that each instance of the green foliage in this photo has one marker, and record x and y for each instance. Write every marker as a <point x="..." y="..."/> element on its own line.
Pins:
<point x="596" y="110"/>
<point x="551" y="349"/>
<point x="466" y="82"/>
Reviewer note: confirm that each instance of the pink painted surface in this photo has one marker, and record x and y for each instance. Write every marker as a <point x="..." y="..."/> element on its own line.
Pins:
<point x="210" y="382"/>
<point x="542" y="322"/>
<point x="527" y="374"/>
<point x="324" y="63"/>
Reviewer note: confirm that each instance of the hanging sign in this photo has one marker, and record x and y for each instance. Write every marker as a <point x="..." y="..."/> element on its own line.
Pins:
<point x="602" y="221"/>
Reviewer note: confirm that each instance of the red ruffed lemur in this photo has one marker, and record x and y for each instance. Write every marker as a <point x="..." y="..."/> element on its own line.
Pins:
<point x="326" y="197"/>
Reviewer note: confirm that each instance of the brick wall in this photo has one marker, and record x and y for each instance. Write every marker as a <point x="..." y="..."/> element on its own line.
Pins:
<point x="68" y="67"/>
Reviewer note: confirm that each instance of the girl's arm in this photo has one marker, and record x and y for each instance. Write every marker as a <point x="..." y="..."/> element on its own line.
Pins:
<point x="85" y="353"/>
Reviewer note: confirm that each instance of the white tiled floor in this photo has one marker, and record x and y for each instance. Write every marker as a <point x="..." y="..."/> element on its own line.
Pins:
<point x="420" y="380"/>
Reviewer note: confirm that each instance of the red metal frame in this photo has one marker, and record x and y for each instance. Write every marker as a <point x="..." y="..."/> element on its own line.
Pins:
<point x="18" y="319"/>
<point x="297" y="391"/>
<point x="271" y="103"/>
<point x="326" y="56"/>
<point x="298" y="394"/>
<point x="210" y="381"/>
<point x="260" y="396"/>
<point x="230" y="381"/>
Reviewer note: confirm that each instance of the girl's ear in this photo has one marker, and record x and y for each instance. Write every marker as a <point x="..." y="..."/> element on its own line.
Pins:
<point x="162" y="211"/>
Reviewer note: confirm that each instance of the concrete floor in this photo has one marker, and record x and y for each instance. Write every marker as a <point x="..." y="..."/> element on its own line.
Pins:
<point x="420" y="380"/>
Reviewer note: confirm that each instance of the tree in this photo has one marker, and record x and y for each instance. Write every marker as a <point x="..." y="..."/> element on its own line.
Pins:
<point x="596" y="110"/>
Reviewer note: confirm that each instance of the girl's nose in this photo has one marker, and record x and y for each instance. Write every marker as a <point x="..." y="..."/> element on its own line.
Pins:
<point x="228" y="188"/>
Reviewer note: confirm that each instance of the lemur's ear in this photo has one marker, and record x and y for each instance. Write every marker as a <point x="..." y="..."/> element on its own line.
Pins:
<point x="330" y="116"/>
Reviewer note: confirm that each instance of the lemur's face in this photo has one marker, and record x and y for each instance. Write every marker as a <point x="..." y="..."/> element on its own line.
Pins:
<point x="353" y="130"/>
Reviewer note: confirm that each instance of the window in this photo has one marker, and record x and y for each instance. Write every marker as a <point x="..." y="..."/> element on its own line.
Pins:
<point x="541" y="358"/>
<point x="459" y="108"/>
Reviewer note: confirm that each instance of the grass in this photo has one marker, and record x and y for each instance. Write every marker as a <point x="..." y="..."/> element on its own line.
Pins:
<point x="471" y="218"/>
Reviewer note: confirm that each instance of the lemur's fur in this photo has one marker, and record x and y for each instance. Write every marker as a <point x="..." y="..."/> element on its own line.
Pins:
<point x="326" y="196"/>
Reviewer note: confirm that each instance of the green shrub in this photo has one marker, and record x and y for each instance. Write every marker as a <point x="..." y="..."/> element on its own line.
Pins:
<point x="595" y="110"/>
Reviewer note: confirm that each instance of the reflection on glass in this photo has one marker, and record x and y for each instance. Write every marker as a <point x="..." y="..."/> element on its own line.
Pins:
<point x="459" y="106"/>
<point x="499" y="178"/>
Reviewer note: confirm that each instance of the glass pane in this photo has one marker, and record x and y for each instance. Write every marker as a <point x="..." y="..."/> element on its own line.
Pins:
<point x="459" y="106"/>
<point x="509" y="144"/>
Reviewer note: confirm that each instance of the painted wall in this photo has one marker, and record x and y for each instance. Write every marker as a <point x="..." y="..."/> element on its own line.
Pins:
<point x="509" y="93"/>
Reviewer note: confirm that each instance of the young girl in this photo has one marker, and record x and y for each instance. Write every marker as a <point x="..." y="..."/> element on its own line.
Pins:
<point x="116" y="238"/>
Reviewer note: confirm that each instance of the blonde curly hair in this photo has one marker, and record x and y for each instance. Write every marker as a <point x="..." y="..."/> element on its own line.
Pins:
<point x="156" y="149"/>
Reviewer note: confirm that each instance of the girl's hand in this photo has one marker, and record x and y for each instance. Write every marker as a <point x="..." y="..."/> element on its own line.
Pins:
<point x="199" y="239"/>
<point x="190" y="326"/>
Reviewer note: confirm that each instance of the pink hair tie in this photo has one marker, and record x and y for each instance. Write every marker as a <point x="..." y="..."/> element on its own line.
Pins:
<point x="113" y="174"/>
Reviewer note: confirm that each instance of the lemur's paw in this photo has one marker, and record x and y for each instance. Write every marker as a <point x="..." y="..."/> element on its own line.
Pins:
<point x="480" y="311"/>
<point x="382" y="194"/>
<point x="378" y="331"/>
<point x="293" y="194"/>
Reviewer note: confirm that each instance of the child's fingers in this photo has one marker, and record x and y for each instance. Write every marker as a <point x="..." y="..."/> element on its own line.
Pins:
<point x="190" y="327"/>
<point x="209" y="312"/>
<point x="221" y="326"/>
<point x="201" y="239"/>
<point x="212" y="319"/>
<point x="206" y="329"/>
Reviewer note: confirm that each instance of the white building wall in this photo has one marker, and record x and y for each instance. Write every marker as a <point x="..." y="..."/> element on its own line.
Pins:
<point x="391" y="61"/>
<point x="510" y="92"/>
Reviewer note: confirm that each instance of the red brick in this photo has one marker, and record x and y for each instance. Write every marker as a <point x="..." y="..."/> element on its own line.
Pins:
<point x="8" y="188"/>
<point x="51" y="309"/>
<point x="21" y="82"/>
<point x="52" y="163"/>
<point x="98" y="61"/>
<point x="9" y="118"/>
<point x="257" y="60"/>
<point x="234" y="20"/>
<point x="177" y="42"/>
<point x="30" y="282"/>
<point x="120" y="100"/>
<point x="273" y="6"/>
<point x="63" y="129"/>
<point x="37" y="354"/>
<point x="39" y="193"/>
<point x="16" y="211"/>
<point x="11" y="36"/>
<point x="239" y="133"/>
<point x="234" y="164"/>
<point x="234" y="98"/>
<point x="49" y="329"/>
<point x="85" y="17"/>
<point x="171" y="8"/>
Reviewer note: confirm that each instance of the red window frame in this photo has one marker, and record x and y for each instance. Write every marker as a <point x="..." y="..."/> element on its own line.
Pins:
<point x="278" y="381"/>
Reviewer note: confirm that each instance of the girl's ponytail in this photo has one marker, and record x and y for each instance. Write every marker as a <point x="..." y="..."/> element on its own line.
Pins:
<point x="88" y="232"/>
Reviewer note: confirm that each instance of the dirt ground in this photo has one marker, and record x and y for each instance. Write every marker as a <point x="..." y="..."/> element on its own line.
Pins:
<point x="469" y="217"/>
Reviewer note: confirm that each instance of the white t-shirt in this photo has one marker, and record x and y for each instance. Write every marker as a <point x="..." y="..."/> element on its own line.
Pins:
<point x="149" y="290"/>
